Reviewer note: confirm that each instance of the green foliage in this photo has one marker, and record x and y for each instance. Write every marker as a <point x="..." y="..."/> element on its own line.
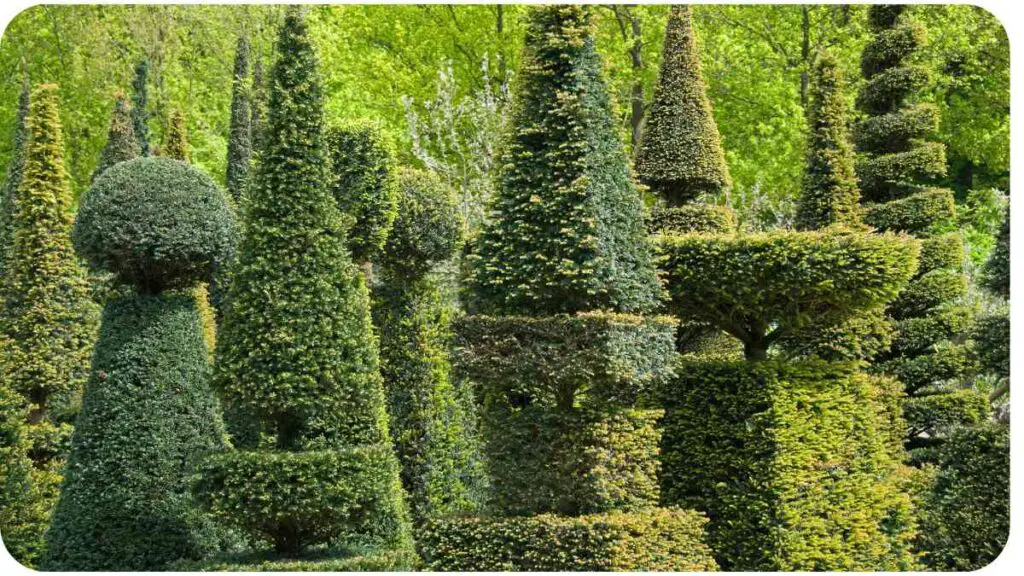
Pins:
<point x="705" y="218"/>
<point x="888" y="132"/>
<point x="862" y="336"/>
<point x="992" y="340"/>
<point x="124" y="224"/>
<point x="829" y="193"/>
<point x="900" y="170"/>
<point x="12" y="177"/>
<point x="942" y="412"/>
<point x="655" y="539"/>
<point x="966" y="518"/>
<point x="140" y="103"/>
<point x="918" y="214"/>
<point x="121" y="142"/>
<point x="795" y="463"/>
<point x="26" y="493"/>
<point x="429" y="227"/>
<point x="927" y="292"/>
<point x="763" y="287"/>
<point x="258" y="106"/>
<point x="680" y="155"/>
<point x="565" y="230"/>
<point x="147" y="418"/>
<point x="240" y="131"/>
<point x="343" y="559"/>
<point x="176" y="138"/>
<point x="997" y="269"/>
<point x="364" y="184"/>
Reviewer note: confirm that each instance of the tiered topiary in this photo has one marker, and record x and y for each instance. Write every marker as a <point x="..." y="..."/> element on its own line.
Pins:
<point x="12" y="178"/>
<point x="121" y="141"/>
<point x="992" y="331"/>
<point x="363" y="183"/>
<point x="140" y="100"/>
<point x="928" y="353"/>
<point x="240" y="130"/>
<point x="297" y="355"/>
<point x="148" y="415"/>
<point x="558" y="275"/>
<point x="48" y="326"/>
<point x="433" y="419"/>
<point x="176" y="138"/>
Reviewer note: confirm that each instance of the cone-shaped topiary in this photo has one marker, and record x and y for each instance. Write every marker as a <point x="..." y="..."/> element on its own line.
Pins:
<point x="240" y="137"/>
<point x="121" y="141"/>
<point x="140" y="99"/>
<point x="296" y="352"/>
<point x="176" y="139"/>
<point x="829" y="193"/>
<point x="363" y="183"/>
<point x="47" y="323"/>
<point x="12" y="178"/>
<point x="565" y="230"/>
<point x="258" y="105"/>
<point x="680" y="155"/>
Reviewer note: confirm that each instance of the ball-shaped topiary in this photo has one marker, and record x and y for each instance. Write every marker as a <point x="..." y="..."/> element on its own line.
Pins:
<point x="428" y="228"/>
<point x="156" y="223"/>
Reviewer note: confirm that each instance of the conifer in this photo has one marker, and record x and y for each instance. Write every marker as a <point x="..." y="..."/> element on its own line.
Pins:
<point x="121" y="141"/>
<point x="240" y="137"/>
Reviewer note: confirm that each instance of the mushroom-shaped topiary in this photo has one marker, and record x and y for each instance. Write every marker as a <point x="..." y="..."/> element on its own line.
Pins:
<point x="156" y="223"/>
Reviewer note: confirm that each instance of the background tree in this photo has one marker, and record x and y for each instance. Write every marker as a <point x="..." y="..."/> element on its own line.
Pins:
<point x="12" y="177"/>
<point x="121" y="141"/>
<point x="176" y="138"/>
<point x="240" y="138"/>
<point x="140" y="101"/>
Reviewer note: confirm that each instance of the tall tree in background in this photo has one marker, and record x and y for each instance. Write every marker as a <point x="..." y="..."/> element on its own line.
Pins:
<point x="896" y="163"/>
<point x="140" y="101"/>
<point x="48" y="319"/>
<point x="257" y="104"/>
<point x="240" y="130"/>
<point x="121" y="141"/>
<point x="12" y="178"/>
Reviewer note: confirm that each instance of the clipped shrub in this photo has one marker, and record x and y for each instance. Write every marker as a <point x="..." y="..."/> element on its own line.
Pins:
<point x="680" y="155"/>
<point x="862" y="336"/>
<point x="996" y="277"/>
<point x="914" y="336"/>
<point x="363" y="183"/>
<point x="928" y="292"/>
<point x="156" y="224"/>
<point x="565" y="229"/>
<point x="704" y="218"/>
<point x="176" y="138"/>
<point x="122" y="143"/>
<point x="900" y="170"/>
<point x="140" y="100"/>
<point x="240" y="128"/>
<point x="338" y="559"/>
<point x="917" y="214"/>
<point x="654" y="539"/>
<point x="891" y="131"/>
<point x="992" y="339"/>
<point x="428" y="228"/>
<point x="12" y="176"/>
<point x="795" y="464"/>
<point x="943" y="412"/>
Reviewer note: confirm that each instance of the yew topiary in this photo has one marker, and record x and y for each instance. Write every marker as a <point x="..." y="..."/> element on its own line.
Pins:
<point x="240" y="130"/>
<point x="176" y="138"/>
<point x="140" y="100"/>
<point x="12" y="177"/>
<point x="121" y="143"/>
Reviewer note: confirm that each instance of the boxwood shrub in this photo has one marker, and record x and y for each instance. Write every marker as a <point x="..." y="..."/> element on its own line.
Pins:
<point x="654" y="539"/>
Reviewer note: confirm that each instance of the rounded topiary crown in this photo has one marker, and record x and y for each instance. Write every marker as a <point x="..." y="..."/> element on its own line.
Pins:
<point x="156" y="224"/>
<point x="429" y="226"/>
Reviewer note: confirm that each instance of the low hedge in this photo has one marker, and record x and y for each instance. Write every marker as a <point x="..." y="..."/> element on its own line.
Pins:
<point x="917" y="214"/>
<point x="587" y="359"/>
<point x="571" y="463"/>
<point x="654" y="539"/>
<point x="704" y="218"/>
<point x="795" y="464"/>
<point x="317" y="560"/>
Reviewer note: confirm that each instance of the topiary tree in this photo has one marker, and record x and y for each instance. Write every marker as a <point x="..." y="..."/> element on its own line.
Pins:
<point x="680" y="155"/>
<point x="121" y="141"/>
<point x="148" y="415"/>
<point x="896" y="161"/>
<point x="296" y="352"/>
<point x="996" y="277"/>
<point x="258" y="104"/>
<point x="363" y="183"/>
<point x="433" y="417"/>
<point x="176" y="138"/>
<point x="140" y="100"/>
<point x="240" y="130"/>
<point x="12" y="178"/>
<point x="48" y="324"/>
<point x="829" y="193"/>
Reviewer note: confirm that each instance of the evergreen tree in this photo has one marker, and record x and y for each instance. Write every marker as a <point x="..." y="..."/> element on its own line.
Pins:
<point x="140" y="99"/>
<point x="121" y="142"/>
<point x="48" y="320"/>
<point x="240" y="138"/>
<point x="296" y="351"/>
<point x="258" y="104"/>
<point x="176" y="138"/>
<point x="829" y="194"/>
<point x="996" y="277"/>
<point x="12" y="178"/>
<point x="680" y="155"/>
<point x="565" y="231"/>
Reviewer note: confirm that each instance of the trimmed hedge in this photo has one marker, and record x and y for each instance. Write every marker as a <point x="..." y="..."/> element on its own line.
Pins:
<point x="918" y="335"/>
<point x="992" y="340"/>
<point x="885" y="177"/>
<point x="862" y="336"/>
<point x="655" y="539"/>
<point x="945" y="251"/>
<point x="705" y="218"/>
<point x="996" y="277"/>
<point x="917" y="214"/>
<point x="795" y="463"/>
<point x="156" y="223"/>
<point x="590" y="359"/>
<point x="350" y="559"/>
<point x="890" y="132"/>
<point x="928" y="292"/>
<point x="884" y="90"/>
<point x="428" y="228"/>
<point x="942" y="412"/>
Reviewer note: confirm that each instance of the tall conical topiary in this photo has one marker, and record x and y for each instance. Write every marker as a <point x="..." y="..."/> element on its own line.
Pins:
<point x="896" y="162"/>
<point x="12" y="178"/>
<point x="176" y="138"/>
<point x="240" y="137"/>
<point x="121" y="141"/>
<point x="48" y="320"/>
<point x="565" y="231"/>
<point x="829" y="194"/>
<point x="258" y="104"/>
<point x="140" y="101"/>
<point x="680" y="155"/>
<point x="296" y="352"/>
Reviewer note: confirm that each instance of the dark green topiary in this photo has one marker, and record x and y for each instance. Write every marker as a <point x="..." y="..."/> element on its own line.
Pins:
<point x="829" y="193"/>
<point x="680" y="155"/>
<point x="147" y="419"/>
<point x="240" y="130"/>
<point x="258" y="105"/>
<point x="296" y="352"/>
<point x="12" y="178"/>
<point x="121" y="143"/>
<point x="47" y="328"/>
<point x="140" y="100"/>
<point x="364" y="185"/>
<point x="997" y="270"/>
<point x="156" y="224"/>
<point x="176" y="138"/>
<point x="565" y="230"/>
<point x="703" y="218"/>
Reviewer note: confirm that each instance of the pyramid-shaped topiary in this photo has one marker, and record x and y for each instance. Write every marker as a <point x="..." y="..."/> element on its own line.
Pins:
<point x="121" y="141"/>
<point x="240" y="130"/>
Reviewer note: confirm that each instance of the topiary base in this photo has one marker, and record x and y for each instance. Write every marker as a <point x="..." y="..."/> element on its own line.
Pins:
<point x="654" y="539"/>
<point x="323" y="560"/>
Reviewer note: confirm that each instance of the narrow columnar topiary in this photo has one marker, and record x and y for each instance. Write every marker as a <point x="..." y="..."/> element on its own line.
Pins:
<point x="140" y="101"/>
<point x="258" y="104"/>
<point x="680" y="155"/>
<point x="296" y="353"/>
<point x="121" y="141"/>
<point x="364" y="185"/>
<point x="47" y="322"/>
<point x="240" y="137"/>
<point x="176" y="138"/>
<point x="12" y="178"/>
<point x="829" y="193"/>
<point x="565" y="230"/>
